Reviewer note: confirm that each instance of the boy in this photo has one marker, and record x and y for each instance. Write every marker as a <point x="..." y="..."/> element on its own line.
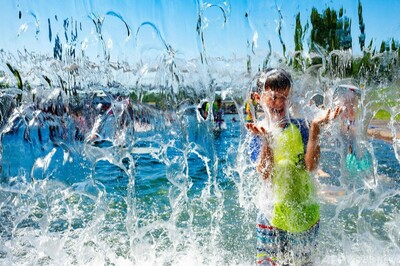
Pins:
<point x="289" y="152"/>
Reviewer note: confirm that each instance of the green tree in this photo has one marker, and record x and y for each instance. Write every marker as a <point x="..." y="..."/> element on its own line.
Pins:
<point x="298" y="43"/>
<point x="361" y="38"/>
<point x="330" y="30"/>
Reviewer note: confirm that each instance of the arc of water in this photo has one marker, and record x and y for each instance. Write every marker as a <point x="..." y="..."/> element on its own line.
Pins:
<point x="201" y="8"/>
<point x="154" y="27"/>
<point x="99" y="21"/>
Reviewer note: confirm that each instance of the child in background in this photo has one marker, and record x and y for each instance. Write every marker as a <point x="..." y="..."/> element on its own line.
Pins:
<point x="250" y="108"/>
<point x="358" y="161"/>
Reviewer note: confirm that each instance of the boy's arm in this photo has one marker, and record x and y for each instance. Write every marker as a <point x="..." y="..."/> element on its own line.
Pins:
<point x="266" y="161"/>
<point x="313" y="151"/>
<point x="265" y="165"/>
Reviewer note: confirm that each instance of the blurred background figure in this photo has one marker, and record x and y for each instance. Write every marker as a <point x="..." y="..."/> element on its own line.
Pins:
<point x="251" y="109"/>
<point x="357" y="158"/>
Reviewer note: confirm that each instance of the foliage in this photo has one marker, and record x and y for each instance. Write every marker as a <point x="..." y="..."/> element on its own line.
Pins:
<point x="330" y="44"/>
<point x="162" y="98"/>
<point x="361" y="38"/>
<point x="385" y="115"/>
<point x="298" y="43"/>
<point x="330" y="30"/>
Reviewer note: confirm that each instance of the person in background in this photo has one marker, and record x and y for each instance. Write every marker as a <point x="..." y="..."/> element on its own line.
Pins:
<point x="217" y="110"/>
<point x="348" y="96"/>
<point x="204" y="110"/>
<point x="250" y="108"/>
<point x="289" y="152"/>
<point x="217" y="113"/>
<point x="358" y="160"/>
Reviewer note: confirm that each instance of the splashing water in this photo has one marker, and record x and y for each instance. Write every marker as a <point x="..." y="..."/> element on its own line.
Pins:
<point x="105" y="160"/>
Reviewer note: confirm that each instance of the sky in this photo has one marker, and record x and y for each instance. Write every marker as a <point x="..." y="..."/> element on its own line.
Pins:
<point x="157" y="24"/>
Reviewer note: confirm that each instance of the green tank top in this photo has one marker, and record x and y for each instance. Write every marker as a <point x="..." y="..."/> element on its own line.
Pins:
<point x="295" y="207"/>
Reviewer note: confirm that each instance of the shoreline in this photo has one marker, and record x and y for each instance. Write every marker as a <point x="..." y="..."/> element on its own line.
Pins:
<point x="379" y="129"/>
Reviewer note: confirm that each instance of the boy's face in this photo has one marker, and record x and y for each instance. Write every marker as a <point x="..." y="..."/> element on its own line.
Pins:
<point x="276" y="102"/>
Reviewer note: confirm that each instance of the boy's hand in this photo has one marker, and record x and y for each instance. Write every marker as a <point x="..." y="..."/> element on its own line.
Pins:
<point x="328" y="116"/>
<point x="256" y="130"/>
<point x="260" y="131"/>
<point x="265" y="165"/>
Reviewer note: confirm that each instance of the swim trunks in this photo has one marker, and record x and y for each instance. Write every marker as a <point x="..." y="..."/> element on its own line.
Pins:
<point x="280" y="247"/>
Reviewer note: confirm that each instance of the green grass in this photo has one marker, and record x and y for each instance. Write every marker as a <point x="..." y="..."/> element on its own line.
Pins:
<point x="385" y="115"/>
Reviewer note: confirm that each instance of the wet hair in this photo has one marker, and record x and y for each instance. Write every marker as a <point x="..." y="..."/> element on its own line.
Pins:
<point x="277" y="79"/>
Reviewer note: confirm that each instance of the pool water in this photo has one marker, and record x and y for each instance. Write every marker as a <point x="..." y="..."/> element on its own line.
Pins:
<point x="183" y="194"/>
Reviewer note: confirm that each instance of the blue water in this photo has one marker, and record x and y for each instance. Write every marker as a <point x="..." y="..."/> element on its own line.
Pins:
<point x="189" y="200"/>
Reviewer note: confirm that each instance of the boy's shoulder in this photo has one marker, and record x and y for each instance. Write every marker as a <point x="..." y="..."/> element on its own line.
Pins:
<point x="300" y="122"/>
<point x="303" y="126"/>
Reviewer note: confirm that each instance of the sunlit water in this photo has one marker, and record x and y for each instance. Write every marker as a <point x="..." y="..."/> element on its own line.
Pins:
<point x="134" y="184"/>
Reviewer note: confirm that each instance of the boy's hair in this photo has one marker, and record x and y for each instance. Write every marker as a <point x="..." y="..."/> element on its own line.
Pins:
<point x="277" y="79"/>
